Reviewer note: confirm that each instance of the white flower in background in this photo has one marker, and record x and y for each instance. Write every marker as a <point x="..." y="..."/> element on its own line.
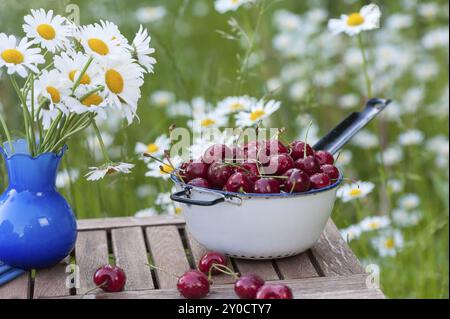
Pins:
<point x="437" y="38"/>
<point x="162" y="98"/>
<point x="146" y="212"/>
<point x="312" y="132"/>
<point x="350" y="233"/>
<point x="409" y="201"/>
<point x="71" y="66"/>
<point x="163" y="199"/>
<point x="344" y="158"/>
<point x="392" y="155"/>
<point x="223" y="6"/>
<point x="365" y="139"/>
<point x="66" y="177"/>
<point x="180" y="108"/>
<point x="50" y="32"/>
<point x="374" y="223"/>
<point x="389" y="243"/>
<point x="17" y="58"/>
<point x="94" y="144"/>
<point x="411" y="137"/>
<point x="235" y="104"/>
<point x="145" y="190"/>
<point x="142" y="50"/>
<point x="150" y="14"/>
<point x="353" y="58"/>
<point x="208" y="119"/>
<point x="368" y="18"/>
<point x="258" y="112"/>
<point x="173" y="209"/>
<point x="439" y="145"/>
<point x="349" y="192"/>
<point x="405" y="218"/>
<point x="274" y="84"/>
<point x="298" y="90"/>
<point x="399" y="21"/>
<point x="97" y="173"/>
<point x="428" y="10"/>
<point x="395" y="185"/>
<point x="159" y="170"/>
<point x="287" y="21"/>
<point x="426" y="70"/>
<point x="316" y="15"/>
<point x="349" y="101"/>
<point x="155" y="148"/>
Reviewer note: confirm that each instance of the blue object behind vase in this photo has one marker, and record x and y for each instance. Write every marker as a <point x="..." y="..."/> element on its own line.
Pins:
<point x="37" y="225"/>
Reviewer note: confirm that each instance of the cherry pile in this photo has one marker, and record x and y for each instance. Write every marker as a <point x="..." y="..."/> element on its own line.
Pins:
<point x="263" y="167"/>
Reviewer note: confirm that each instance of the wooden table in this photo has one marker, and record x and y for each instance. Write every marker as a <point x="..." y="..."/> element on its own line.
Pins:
<point x="328" y="270"/>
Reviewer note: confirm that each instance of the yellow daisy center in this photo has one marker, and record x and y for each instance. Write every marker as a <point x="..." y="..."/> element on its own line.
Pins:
<point x="374" y="225"/>
<point x="93" y="99"/>
<point x="98" y="46"/>
<point x="355" y="192"/>
<point x="152" y="148"/>
<point x="236" y="106"/>
<point x="178" y="210"/>
<point x="85" y="79"/>
<point x="166" y="169"/>
<point x="256" y="115"/>
<point x="12" y="56"/>
<point x="208" y="122"/>
<point x="114" y="81"/>
<point x="46" y="31"/>
<point x="355" y="19"/>
<point x="54" y="94"/>
<point x="389" y="243"/>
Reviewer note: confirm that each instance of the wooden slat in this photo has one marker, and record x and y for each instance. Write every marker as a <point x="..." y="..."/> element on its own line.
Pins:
<point x="198" y="251"/>
<point x="91" y="252"/>
<point x="16" y="289"/>
<point x="168" y="253"/>
<point x="51" y="282"/>
<point x="121" y="222"/>
<point x="333" y="256"/>
<point x="131" y="255"/>
<point x="341" y="287"/>
<point x="296" y="267"/>
<point x="262" y="268"/>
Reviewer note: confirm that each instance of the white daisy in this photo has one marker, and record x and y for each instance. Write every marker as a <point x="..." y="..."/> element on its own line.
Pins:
<point x="163" y="199"/>
<point x="147" y="212"/>
<point x="145" y="190"/>
<point x="350" y="233"/>
<point x="405" y="218"/>
<point x="159" y="170"/>
<point x="162" y="98"/>
<point x="365" y="139"/>
<point x="150" y="14"/>
<point x="17" y="58"/>
<point x="180" y="108"/>
<point x="223" y="6"/>
<point x="71" y="66"/>
<point x="374" y="223"/>
<point x="174" y="209"/>
<point x="142" y="50"/>
<point x="349" y="101"/>
<point x="155" y="148"/>
<point x="94" y="102"/>
<point x="411" y="137"/>
<point x="206" y="120"/>
<point x="368" y="18"/>
<point x="409" y="201"/>
<point x="392" y="155"/>
<point x="258" y="112"/>
<point x="235" y="104"/>
<point x="395" y="185"/>
<point x="97" y="173"/>
<point x="50" y="32"/>
<point x="389" y="243"/>
<point x="65" y="177"/>
<point x="357" y="190"/>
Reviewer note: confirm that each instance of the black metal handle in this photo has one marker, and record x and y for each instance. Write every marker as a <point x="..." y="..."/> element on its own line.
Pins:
<point x="181" y="197"/>
<point x="341" y="134"/>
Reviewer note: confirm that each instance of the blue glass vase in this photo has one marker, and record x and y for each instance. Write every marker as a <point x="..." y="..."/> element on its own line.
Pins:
<point x="37" y="226"/>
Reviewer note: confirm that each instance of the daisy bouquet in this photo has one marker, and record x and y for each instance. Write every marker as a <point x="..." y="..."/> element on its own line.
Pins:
<point x="67" y="76"/>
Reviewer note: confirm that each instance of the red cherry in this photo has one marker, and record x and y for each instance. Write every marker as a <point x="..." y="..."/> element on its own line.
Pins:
<point x="252" y="152"/>
<point x="320" y="180"/>
<point x="110" y="278"/>
<point x="238" y="154"/>
<point x="196" y="168"/>
<point x="247" y="286"/>
<point x="217" y="152"/>
<point x="239" y="182"/>
<point x="218" y="174"/>
<point x="330" y="170"/>
<point x="274" y="147"/>
<point x="272" y="291"/>
<point x="297" y="181"/>
<point x="209" y="259"/>
<point x="324" y="157"/>
<point x="199" y="182"/>
<point x="308" y="164"/>
<point x="250" y="169"/>
<point x="279" y="164"/>
<point x="266" y="186"/>
<point x="193" y="284"/>
<point x="298" y="150"/>
<point x="184" y="165"/>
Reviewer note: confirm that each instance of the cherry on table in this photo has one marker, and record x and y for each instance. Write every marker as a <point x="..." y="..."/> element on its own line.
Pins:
<point x="298" y="150"/>
<point x="247" y="286"/>
<point x="324" y="157"/>
<point x="217" y="152"/>
<point x="308" y="164"/>
<point x="196" y="168"/>
<point x="297" y="181"/>
<point x="110" y="278"/>
<point x="199" y="182"/>
<point x="218" y="174"/>
<point x="209" y="259"/>
<point x="274" y="291"/>
<point x="239" y="182"/>
<point x="279" y="164"/>
<point x="266" y="186"/>
<point x="320" y="180"/>
<point x="193" y="284"/>
<point x="330" y="170"/>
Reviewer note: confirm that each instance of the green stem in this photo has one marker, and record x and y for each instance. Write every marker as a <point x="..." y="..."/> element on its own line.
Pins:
<point x="98" y="88"/>
<point x="100" y="140"/>
<point x="8" y="135"/>
<point x="80" y="76"/>
<point x="365" y="71"/>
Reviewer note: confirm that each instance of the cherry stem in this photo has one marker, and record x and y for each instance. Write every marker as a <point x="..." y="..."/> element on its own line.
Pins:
<point x="223" y="269"/>
<point x="163" y="270"/>
<point x="93" y="289"/>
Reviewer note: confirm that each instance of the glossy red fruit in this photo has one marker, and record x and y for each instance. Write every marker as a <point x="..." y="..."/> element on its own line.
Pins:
<point x="209" y="259"/>
<point x="272" y="291"/>
<point x="217" y="152"/>
<point x="239" y="182"/>
<point x="250" y="169"/>
<point x="297" y="181"/>
<point x="266" y="186"/>
<point x="193" y="284"/>
<point x="184" y="165"/>
<point x="238" y="154"/>
<point x="110" y="278"/>
<point x="308" y="164"/>
<point x="330" y="170"/>
<point x="298" y="150"/>
<point x="324" y="157"/>
<point x="252" y="152"/>
<point x="274" y="147"/>
<point x="195" y="169"/>
<point x="247" y="286"/>
<point x="279" y="164"/>
<point x="320" y="180"/>
<point x="199" y="182"/>
<point x="218" y="174"/>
